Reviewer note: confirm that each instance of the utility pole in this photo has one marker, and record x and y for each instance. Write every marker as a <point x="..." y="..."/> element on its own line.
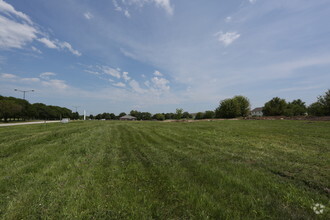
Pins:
<point x="24" y="91"/>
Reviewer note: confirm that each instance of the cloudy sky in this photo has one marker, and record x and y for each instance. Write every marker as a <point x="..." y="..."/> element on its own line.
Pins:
<point x="159" y="55"/>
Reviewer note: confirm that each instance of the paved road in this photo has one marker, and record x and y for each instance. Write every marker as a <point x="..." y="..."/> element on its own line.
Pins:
<point x="26" y="123"/>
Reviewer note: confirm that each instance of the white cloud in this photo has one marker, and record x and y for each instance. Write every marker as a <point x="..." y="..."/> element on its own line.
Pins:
<point x="43" y="80"/>
<point x="48" y="43"/>
<point x="125" y="76"/>
<point x="69" y="47"/>
<point x="164" y="4"/>
<point x="36" y="50"/>
<point x="14" y="34"/>
<point x="128" y="54"/>
<point x="252" y="1"/>
<point x="59" y="45"/>
<point x="92" y="72"/>
<point x="160" y="83"/>
<point x="227" y="38"/>
<point x="147" y="83"/>
<point x="30" y="80"/>
<point x="7" y="76"/>
<point x="144" y="76"/>
<point x="110" y="71"/>
<point x="136" y="86"/>
<point x="117" y="7"/>
<point x="88" y="15"/>
<point x="228" y="19"/>
<point x="10" y="10"/>
<point x="47" y="75"/>
<point x="119" y="84"/>
<point x="127" y="14"/>
<point x="157" y="73"/>
<point x="17" y="30"/>
<point x="56" y="83"/>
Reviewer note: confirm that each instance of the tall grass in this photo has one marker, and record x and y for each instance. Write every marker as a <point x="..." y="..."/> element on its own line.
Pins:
<point x="145" y="170"/>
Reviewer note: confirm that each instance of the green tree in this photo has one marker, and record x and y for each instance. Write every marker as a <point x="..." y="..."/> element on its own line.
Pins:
<point x="169" y="116"/>
<point x="199" y="115"/>
<point x="159" y="117"/>
<point x="228" y="108"/>
<point x="325" y="102"/>
<point x="275" y="107"/>
<point x="296" y="108"/>
<point x="316" y="109"/>
<point x="121" y="114"/>
<point x="244" y="105"/>
<point x="178" y="114"/>
<point x="209" y="114"/>
<point x="9" y="109"/>
<point x="186" y="115"/>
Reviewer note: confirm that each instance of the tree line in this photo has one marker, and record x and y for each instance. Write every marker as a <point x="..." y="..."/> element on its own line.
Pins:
<point x="19" y="109"/>
<point x="238" y="106"/>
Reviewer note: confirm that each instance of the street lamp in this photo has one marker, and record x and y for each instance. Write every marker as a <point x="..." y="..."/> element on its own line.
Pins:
<point x="24" y="91"/>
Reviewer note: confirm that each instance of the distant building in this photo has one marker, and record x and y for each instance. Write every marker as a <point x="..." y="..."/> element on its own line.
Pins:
<point x="257" y="112"/>
<point x="127" y="118"/>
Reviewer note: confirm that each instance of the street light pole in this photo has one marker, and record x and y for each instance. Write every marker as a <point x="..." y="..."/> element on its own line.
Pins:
<point x="24" y="91"/>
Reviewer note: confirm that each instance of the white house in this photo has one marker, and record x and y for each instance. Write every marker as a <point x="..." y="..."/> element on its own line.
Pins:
<point x="257" y="112"/>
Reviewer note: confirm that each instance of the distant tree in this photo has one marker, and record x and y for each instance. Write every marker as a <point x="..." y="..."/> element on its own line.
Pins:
<point x="244" y="105"/>
<point x="112" y="116"/>
<point x="186" y="115"/>
<point x="98" y="116"/>
<point x="199" y="115"/>
<point x="121" y="114"/>
<point x="75" y="116"/>
<point x="91" y="117"/>
<point x="169" y="116"/>
<point x="228" y="108"/>
<point x="325" y="102"/>
<point x="9" y="109"/>
<point x="209" y="115"/>
<point x="145" y="116"/>
<point x="178" y="114"/>
<point x="275" y="107"/>
<point x="134" y="113"/>
<point x="295" y="108"/>
<point x="159" y="117"/>
<point x="316" y="109"/>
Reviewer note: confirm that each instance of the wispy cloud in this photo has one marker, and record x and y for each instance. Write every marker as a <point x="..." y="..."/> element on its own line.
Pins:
<point x="227" y="38"/>
<point x="17" y="30"/>
<point x="125" y="76"/>
<point x="88" y="15"/>
<point x="110" y="71"/>
<point x="157" y="73"/>
<point x="164" y="4"/>
<point x="10" y="10"/>
<point x="48" y="43"/>
<point x="47" y="75"/>
<point x="14" y="34"/>
<point x="119" y="84"/>
<point x="36" y="50"/>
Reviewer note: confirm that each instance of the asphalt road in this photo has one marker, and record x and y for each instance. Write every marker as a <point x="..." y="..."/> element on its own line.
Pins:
<point x="26" y="123"/>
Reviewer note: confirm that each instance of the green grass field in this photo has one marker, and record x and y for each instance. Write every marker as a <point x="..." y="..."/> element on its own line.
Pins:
<point x="154" y="170"/>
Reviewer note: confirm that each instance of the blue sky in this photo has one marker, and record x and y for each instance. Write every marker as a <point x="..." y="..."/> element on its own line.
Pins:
<point x="159" y="55"/>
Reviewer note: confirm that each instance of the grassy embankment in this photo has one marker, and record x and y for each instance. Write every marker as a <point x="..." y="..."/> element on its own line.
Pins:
<point x="143" y="170"/>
